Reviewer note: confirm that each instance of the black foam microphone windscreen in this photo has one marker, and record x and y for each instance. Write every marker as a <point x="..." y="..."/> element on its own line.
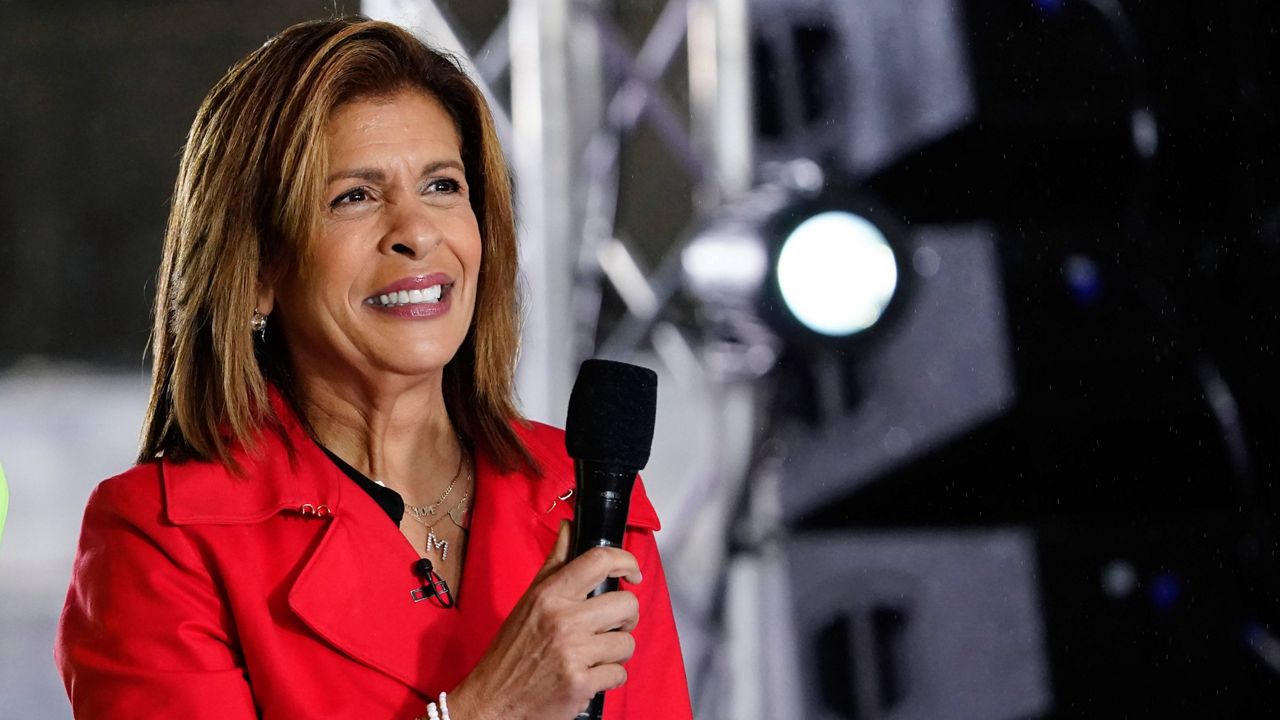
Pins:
<point x="611" y="414"/>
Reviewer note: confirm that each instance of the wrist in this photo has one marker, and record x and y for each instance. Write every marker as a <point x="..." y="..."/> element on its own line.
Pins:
<point x="464" y="705"/>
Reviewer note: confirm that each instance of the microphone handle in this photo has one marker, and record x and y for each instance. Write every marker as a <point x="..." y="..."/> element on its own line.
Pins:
<point x="600" y="520"/>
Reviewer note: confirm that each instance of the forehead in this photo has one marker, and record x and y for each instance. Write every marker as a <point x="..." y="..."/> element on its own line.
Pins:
<point x="405" y="116"/>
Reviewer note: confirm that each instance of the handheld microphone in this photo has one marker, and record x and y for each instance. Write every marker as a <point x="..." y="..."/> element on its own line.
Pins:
<point x="608" y="433"/>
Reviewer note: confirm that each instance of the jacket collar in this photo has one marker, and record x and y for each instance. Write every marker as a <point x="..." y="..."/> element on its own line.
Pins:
<point x="284" y="470"/>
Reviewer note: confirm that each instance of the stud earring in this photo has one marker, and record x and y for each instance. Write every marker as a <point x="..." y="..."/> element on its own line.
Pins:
<point x="258" y="325"/>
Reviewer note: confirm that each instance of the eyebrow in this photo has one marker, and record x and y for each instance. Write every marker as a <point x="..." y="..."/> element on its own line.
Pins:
<point x="377" y="176"/>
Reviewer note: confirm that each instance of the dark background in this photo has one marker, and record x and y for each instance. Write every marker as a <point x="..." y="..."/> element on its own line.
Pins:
<point x="1115" y="449"/>
<point x="98" y="99"/>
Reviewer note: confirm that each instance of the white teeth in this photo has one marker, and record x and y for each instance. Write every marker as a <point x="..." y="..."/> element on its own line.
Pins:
<point x="409" y="297"/>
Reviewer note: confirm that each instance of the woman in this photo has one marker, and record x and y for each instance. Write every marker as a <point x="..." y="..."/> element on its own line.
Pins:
<point x="336" y="328"/>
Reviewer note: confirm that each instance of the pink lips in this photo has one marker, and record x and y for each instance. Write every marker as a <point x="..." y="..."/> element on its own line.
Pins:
<point x="416" y="310"/>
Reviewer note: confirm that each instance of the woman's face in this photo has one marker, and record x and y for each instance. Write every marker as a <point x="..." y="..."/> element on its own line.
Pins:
<point x="389" y="284"/>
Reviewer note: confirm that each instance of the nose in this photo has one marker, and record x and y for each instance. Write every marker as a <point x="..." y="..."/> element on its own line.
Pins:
<point x="412" y="231"/>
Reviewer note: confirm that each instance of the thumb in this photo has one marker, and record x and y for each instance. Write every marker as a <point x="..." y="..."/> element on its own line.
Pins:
<point x="559" y="552"/>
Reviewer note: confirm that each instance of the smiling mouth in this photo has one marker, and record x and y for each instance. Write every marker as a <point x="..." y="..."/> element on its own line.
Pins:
<point x="425" y="296"/>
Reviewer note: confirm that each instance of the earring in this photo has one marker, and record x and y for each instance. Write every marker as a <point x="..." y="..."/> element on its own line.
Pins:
<point x="258" y="325"/>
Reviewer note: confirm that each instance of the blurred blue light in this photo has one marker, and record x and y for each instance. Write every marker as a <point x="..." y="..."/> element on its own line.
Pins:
<point x="1083" y="278"/>
<point x="1166" y="591"/>
<point x="1050" y="8"/>
<point x="1254" y="634"/>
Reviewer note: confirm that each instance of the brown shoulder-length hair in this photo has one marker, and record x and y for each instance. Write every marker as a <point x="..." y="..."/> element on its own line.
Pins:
<point x="247" y="199"/>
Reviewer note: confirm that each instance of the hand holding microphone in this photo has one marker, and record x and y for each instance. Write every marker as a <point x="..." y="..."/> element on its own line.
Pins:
<point x="558" y="648"/>
<point x="565" y="641"/>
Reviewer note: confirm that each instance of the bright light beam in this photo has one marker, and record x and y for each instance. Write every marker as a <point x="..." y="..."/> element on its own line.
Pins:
<point x="837" y="273"/>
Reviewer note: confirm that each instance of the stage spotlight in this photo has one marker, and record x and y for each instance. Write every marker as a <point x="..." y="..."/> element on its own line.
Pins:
<point x="837" y="273"/>
<point x="811" y="266"/>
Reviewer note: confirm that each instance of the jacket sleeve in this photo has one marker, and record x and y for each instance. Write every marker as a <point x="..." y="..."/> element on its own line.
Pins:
<point x="145" y="632"/>
<point x="656" y="682"/>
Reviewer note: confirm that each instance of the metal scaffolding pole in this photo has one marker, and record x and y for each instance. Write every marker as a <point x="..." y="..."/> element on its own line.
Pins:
<point x="542" y="155"/>
<point x="720" y="96"/>
<point x="425" y="19"/>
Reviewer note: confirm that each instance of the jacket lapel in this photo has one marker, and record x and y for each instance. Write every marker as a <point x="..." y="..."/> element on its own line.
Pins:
<point x="505" y="549"/>
<point x="355" y="589"/>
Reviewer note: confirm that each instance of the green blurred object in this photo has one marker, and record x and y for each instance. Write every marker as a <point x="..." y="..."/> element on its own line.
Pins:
<point x="4" y="500"/>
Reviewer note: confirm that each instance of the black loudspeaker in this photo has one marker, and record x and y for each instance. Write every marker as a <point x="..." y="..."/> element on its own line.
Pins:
<point x="862" y="82"/>
<point x="1102" y="616"/>
<point x="927" y="625"/>
<point x="962" y="109"/>
<point x="943" y="367"/>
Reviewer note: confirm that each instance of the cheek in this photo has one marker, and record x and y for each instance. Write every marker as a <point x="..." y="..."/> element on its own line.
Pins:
<point x="477" y="242"/>
<point x="312" y="302"/>
<point x="470" y="250"/>
<point x="477" y="255"/>
<point x="330" y="269"/>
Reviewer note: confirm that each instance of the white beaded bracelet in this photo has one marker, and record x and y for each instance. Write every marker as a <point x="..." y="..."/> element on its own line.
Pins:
<point x="438" y="712"/>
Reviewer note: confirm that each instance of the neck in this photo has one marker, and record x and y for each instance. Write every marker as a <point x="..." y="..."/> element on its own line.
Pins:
<point x="389" y="434"/>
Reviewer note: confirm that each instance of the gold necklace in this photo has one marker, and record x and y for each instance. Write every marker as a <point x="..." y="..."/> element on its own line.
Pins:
<point x="461" y="509"/>
<point x="420" y="511"/>
<point x="435" y="542"/>
<point x="457" y="514"/>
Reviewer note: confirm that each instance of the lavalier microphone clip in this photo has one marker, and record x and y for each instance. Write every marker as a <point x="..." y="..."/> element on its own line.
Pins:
<point x="433" y="586"/>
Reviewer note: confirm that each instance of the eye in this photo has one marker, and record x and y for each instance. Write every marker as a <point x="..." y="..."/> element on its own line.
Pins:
<point x="350" y="197"/>
<point x="446" y="186"/>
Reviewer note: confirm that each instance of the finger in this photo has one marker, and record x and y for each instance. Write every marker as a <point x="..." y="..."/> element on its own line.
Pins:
<point x="559" y="553"/>
<point x="585" y="572"/>
<point x="610" y="647"/>
<point x="609" y="676"/>
<point x="611" y="611"/>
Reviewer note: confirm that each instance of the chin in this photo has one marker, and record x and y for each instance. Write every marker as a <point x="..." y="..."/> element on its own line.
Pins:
<point x="414" y="361"/>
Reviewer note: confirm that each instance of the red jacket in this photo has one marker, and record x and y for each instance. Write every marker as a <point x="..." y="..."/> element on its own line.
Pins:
<point x="196" y="594"/>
